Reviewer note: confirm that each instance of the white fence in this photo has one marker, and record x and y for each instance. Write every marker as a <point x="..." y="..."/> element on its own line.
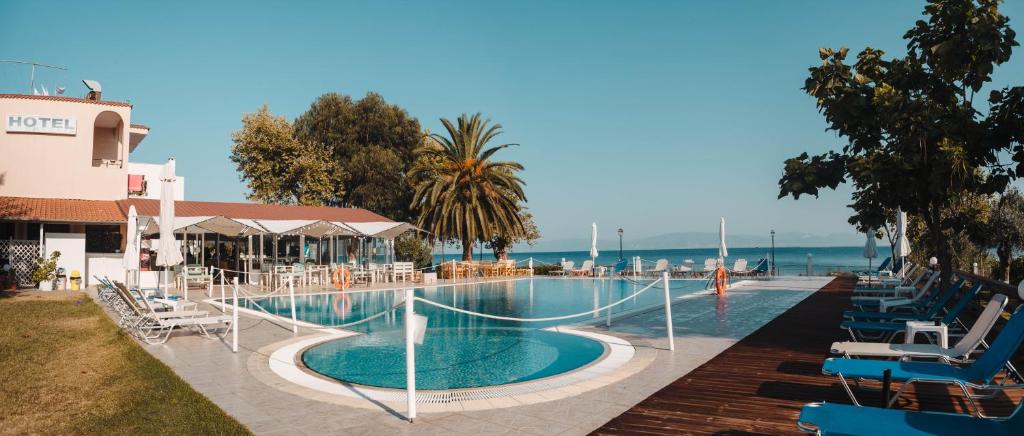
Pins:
<point x="22" y="255"/>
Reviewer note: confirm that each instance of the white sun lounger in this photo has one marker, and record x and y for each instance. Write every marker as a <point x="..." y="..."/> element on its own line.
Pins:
<point x="585" y="269"/>
<point x="740" y="267"/>
<point x="157" y="330"/>
<point x="960" y="352"/>
<point x="566" y="268"/>
<point x="659" y="267"/>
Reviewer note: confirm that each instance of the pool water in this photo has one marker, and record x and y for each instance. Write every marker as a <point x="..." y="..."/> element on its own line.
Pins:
<point x="459" y="350"/>
<point x="461" y="358"/>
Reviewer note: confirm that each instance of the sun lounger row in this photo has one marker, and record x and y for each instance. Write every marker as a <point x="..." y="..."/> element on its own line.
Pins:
<point x="150" y="321"/>
<point x="921" y="304"/>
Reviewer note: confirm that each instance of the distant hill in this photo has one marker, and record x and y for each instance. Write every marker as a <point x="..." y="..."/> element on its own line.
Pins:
<point x="701" y="240"/>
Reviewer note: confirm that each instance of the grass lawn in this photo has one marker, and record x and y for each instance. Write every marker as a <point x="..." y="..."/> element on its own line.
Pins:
<point x="66" y="368"/>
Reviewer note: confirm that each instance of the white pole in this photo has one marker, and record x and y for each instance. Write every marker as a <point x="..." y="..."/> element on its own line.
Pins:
<point x="410" y="356"/>
<point x="234" y="315"/>
<point x="291" y="293"/>
<point x="531" y="266"/>
<point x="248" y="261"/>
<point x="209" y="284"/>
<point x="608" y="317"/>
<point x="668" y="313"/>
<point x="222" y="300"/>
<point x="184" y="291"/>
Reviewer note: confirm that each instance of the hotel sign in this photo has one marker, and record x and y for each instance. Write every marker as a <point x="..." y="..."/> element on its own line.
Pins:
<point x="40" y="124"/>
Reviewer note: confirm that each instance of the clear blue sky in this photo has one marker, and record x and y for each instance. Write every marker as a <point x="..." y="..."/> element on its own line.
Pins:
<point x="652" y="116"/>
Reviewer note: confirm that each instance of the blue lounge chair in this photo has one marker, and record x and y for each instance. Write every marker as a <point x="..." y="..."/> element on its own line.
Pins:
<point x="897" y="325"/>
<point x="844" y="419"/>
<point x="892" y="289"/>
<point x="881" y="267"/>
<point x="912" y="312"/>
<point x="619" y="267"/>
<point x="761" y="268"/>
<point x="978" y="375"/>
<point x="920" y="302"/>
<point x="917" y="298"/>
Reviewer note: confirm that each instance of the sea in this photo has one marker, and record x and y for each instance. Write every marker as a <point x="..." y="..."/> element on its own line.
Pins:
<point x="788" y="260"/>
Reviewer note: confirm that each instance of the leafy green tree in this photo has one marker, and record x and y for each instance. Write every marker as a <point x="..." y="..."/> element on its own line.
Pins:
<point x="409" y="247"/>
<point x="461" y="193"/>
<point x="371" y="143"/>
<point x="1005" y="229"/>
<point x="914" y="138"/>
<point x="276" y="167"/>
<point x="967" y="216"/>
<point x="504" y="239"/>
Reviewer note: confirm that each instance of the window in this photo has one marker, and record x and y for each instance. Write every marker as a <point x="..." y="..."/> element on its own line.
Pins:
<point x="102" y="239"/>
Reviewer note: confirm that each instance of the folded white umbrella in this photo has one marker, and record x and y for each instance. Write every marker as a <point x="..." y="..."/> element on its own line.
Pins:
<point x="870" y="250"/>
<point x="723" y="251"/>
<point x="167" y="254"/>
<point x="902" y="241"/>
<point x="593" y="242"/>
<point x="131" y="248"/>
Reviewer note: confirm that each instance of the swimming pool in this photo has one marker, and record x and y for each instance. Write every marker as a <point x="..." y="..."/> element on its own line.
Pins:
<point x="464" y="351"/>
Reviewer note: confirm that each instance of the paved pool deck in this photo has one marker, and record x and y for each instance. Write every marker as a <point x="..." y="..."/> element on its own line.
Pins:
<point x="704" y="326"/>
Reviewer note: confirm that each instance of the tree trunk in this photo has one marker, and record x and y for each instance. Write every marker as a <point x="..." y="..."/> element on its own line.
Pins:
<point x="942" y="248"/>
<point x="467" y="251"/>
<point x="1005" y="255"/>
<point x="500" y="253"/>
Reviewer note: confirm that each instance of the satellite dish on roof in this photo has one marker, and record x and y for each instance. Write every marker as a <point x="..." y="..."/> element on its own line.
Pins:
<point x="92" y="85"/>
<point x="94" y="89"/>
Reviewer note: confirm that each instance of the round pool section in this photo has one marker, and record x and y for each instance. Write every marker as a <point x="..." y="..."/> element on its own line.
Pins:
<point x="453" y="358"/>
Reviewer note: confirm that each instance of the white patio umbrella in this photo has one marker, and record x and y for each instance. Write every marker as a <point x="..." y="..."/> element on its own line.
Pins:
<point x="902" y="242"/>
<point x="593" y="242"/>
<point x="723" y="251"/>
<point x="131" y="247"/>
<point x="167" y="254"/>
<point x="870" y="250"/>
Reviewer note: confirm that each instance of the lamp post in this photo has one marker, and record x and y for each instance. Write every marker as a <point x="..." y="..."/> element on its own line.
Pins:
<point x="773" y="253"/>
<point x="620" y="243"/>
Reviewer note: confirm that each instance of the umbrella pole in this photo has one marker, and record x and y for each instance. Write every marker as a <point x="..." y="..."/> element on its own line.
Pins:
<point x="869" y="272"/>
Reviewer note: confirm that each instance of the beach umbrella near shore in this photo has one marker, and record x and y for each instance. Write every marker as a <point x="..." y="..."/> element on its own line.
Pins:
<point x="902" y="242"/>
<point x="167" y="254"/>
<point x="593" y="242"/>
<point x="870" y="250"/>
<point x="131" y="246"/>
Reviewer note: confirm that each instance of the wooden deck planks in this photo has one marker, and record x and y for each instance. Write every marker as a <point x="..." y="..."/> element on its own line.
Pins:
<point x="759" y="385"/>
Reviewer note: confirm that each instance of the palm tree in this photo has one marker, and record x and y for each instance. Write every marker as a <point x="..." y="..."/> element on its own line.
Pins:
<point x="460" y="193"/>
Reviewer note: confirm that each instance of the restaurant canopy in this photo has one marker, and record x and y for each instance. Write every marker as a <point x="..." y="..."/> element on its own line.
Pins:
<point x="381" y="229"/>
<point x="205" y="224"/>
<point x="310" y="228"/>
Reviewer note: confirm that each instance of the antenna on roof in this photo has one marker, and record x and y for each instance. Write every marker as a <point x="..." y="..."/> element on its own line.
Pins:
<point x="32" y="77"/>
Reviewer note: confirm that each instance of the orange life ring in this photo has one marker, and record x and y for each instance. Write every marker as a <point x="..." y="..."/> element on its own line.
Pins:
<point x="345" y="306"/>
<point x="341" y="278"/>
<point x="720" y="284"/>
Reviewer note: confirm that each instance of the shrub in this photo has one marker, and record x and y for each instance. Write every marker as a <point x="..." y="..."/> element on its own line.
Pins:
<point x="543" y="270"/>
<point x="45" y="269"/>
<point x="412" y="248"/>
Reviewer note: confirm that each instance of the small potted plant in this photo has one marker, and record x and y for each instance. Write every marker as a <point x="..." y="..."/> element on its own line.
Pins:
<point x="45" y="271"/>
<point x="7" y="281"/>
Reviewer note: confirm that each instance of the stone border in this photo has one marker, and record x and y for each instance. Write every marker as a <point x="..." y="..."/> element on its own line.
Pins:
<point x="276" y="366"/>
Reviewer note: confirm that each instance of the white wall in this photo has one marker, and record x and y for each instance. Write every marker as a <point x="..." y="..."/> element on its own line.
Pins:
<point x="101" y="265"/>
<point x="152" y="175"/>
<point x="72" y="250"/>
